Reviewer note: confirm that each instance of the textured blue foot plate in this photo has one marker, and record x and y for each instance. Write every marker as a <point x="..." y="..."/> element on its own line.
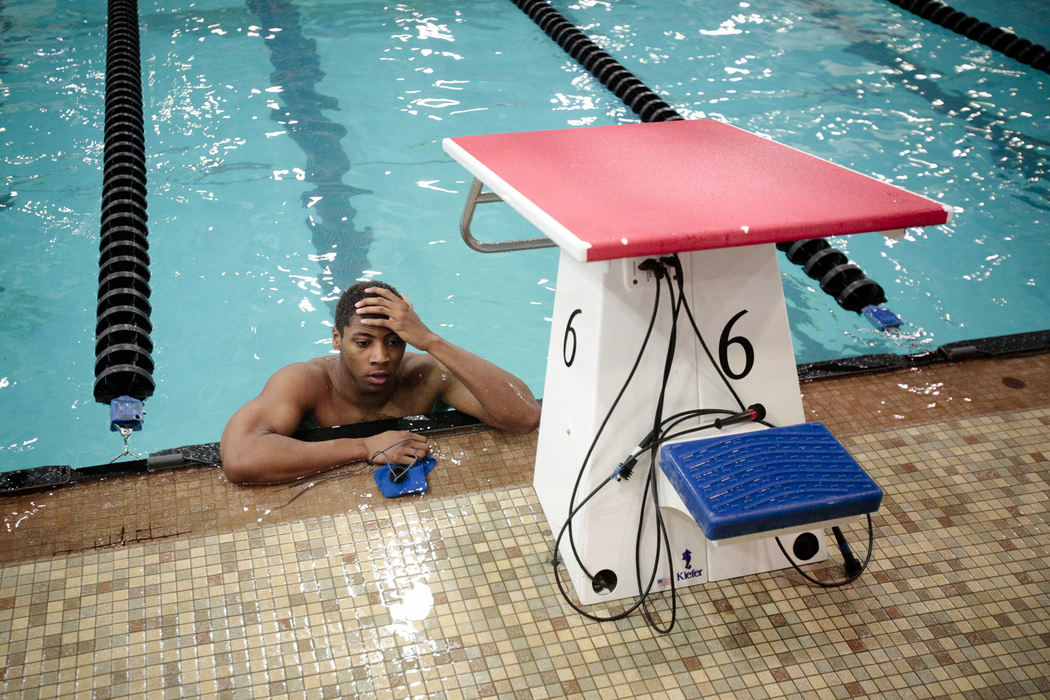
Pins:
<point x="767" y="480"/>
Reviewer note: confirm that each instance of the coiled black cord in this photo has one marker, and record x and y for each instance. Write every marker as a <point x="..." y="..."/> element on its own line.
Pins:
<point x="662" y="538"/>
<point x="370" y="463"/>
<point x="574" y="508"/>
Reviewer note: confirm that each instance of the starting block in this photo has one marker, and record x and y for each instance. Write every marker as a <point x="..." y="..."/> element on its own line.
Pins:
<point x="610" y="198"/>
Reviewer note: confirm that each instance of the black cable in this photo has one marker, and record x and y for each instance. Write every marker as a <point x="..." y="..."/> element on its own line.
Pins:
<point x="661" y="540"/>
<point x="608" y="416"/>
<point x="679" y="418"/>
<point x="707" y="351"/>
<point x="663" y="537"/>
<point x="651" y="483"/>
<point x="667" y="437"/>
<point x="557" y="579"/>
<point x="662" y="427"/>
<point x="369" y="464"/>
<point x="371" y="460"/>
<point x="333" y="477"/>
<point x="848" y="579"/>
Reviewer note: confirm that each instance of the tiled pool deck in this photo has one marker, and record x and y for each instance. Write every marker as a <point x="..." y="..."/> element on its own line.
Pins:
<point x="178" y="584"/>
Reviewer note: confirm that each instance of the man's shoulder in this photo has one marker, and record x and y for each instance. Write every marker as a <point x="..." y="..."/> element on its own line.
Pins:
<point x="421" y="367"/>
<point x="309" y="376"/>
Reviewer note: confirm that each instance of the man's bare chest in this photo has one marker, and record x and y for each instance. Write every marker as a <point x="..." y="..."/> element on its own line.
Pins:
<point x="406" y="401"/>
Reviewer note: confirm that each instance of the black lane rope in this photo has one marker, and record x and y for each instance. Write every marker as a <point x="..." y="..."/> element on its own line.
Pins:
<point x="1007" y="43"/>
<point x="644" y="102"/>
<point x="844" y="281"/>
<point x="836" y="275"/>
<point x="123" y="348"/>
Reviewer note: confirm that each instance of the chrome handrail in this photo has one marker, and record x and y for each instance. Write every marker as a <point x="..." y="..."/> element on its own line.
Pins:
<point x="475" y="197"/>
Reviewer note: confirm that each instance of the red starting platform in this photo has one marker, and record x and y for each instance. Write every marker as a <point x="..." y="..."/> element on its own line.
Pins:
<point x="633" y="190"/>
<point x="717" y="196"/>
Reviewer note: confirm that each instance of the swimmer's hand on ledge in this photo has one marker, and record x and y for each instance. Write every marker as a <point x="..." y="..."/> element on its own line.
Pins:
<point x="468" y="383"/>
<point x="253" y="454"/>
<point x="397" y="447"/>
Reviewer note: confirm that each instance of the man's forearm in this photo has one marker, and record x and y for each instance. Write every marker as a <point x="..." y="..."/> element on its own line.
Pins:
<point x="506" y="400"/>
<point x="273" y="458"/>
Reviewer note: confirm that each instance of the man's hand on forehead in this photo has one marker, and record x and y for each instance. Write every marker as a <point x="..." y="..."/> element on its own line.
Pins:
<point x="380" y="301"/>
<point x="401" y="318"/>
<point x="378" y="294"/>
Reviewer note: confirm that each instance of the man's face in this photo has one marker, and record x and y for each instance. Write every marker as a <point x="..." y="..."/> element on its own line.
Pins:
<point x="371" y="354"/>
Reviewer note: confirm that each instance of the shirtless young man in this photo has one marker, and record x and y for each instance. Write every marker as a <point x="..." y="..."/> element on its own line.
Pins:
<point x="371" y="378"/>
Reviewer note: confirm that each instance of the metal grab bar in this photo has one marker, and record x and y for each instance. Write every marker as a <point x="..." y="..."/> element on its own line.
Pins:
<point x="475" y="197"/>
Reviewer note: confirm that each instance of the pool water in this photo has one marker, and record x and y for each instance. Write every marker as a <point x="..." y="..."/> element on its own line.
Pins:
<point x="877" y="90"/>
<point x="293" y="147"/>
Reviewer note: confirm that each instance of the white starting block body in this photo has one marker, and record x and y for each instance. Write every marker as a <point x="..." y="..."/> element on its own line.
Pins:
<point x="610" y="198"/>
<point x="601" y="313"/>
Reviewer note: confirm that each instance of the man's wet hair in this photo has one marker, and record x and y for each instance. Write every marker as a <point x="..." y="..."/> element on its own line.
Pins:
<point x="344" y="310"/>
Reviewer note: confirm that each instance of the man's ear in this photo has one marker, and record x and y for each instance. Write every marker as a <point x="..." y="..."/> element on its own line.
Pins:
<point x="337" y="338"/>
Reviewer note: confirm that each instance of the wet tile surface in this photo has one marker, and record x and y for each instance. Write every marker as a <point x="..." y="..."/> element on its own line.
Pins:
<point x="217" y="590"/>
<point x="198" y="501"/>
<point x="925" y="395"/>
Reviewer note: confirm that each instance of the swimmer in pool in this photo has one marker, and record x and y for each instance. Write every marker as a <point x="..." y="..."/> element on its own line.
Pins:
<point x="372" y="378"/>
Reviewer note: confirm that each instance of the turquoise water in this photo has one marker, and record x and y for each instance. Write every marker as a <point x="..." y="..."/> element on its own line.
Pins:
<point x="880" y="91"/>
<point x="268" y="188"/>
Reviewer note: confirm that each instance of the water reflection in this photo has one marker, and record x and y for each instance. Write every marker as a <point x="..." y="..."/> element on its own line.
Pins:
<point x="409" y="606"/>
<point x="935" y="390"/>
<point x="15" y="518"/>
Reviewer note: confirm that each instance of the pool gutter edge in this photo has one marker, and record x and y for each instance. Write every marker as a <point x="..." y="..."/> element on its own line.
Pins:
<point x="50" y="477"/>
